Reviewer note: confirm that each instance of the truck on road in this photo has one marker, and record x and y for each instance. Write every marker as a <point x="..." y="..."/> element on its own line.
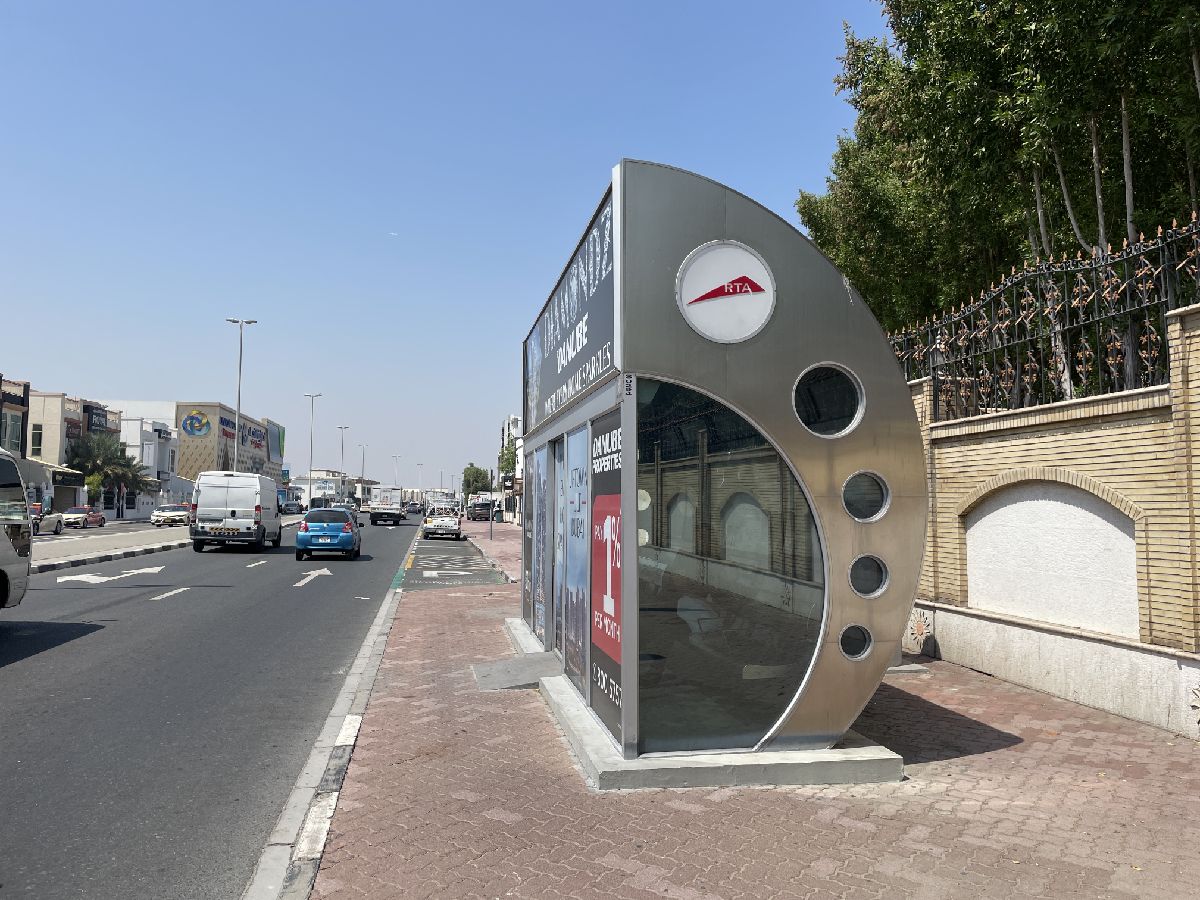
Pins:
<point x="387" y="504"/>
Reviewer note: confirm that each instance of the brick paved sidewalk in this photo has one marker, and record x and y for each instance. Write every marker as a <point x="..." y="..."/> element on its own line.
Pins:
<point x="1010" y="793"/>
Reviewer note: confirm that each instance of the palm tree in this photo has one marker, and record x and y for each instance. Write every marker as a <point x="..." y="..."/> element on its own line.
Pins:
<point x="104" y="456"/>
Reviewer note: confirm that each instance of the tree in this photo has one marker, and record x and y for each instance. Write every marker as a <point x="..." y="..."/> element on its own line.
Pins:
<point x="506" y="464"/>
<point x="992" y="134"/>
<point x="475" y="480"/>
<point x="103" y="461"/>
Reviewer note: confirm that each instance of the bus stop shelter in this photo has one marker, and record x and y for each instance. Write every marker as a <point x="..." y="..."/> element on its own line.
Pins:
<point x="724" y="502"/>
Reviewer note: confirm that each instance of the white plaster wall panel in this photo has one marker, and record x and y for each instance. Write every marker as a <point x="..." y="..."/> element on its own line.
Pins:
<point x="1142" y="685"/>
<point x="1052" y="552"/>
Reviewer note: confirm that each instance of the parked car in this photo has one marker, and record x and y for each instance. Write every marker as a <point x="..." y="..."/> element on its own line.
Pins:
<point x="442" y="521"/>
<point x="480" y="510"/>
<point x="292" y="508"/>
<point x="16" y="533"/>
<point x="329" y="531"/>
<point x="171" y="514"/>
<point x="83" y="517"/>
<point x="50" y="521"/>
<point x="235" y="508"/>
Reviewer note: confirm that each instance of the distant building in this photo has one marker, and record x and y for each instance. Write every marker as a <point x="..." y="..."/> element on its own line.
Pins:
<point x="208" y="433"/>
<point x="55" y="421"/>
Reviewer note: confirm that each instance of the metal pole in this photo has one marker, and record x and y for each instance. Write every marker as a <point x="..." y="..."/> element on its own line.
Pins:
<point x="362" y="477"/>
<point x="312" y="412"/>
<point x="237" y="415"/>
<point x="342" y="432"/>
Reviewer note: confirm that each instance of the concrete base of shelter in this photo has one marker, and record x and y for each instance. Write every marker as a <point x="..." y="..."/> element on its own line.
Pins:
<point x="854" y="761"/>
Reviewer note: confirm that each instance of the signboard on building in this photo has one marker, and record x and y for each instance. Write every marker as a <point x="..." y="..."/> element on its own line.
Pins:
<point x="570" y="348"/>
<point x="275" y="440"/>
<point x="605" y="534"/>
<point x="96" y="416"/>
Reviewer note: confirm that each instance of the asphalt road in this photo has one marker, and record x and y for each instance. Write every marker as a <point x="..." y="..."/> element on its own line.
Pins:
<point x="152" y="725"/>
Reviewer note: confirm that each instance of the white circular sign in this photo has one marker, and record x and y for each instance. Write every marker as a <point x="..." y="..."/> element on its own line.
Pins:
<point x="725" y="291"/>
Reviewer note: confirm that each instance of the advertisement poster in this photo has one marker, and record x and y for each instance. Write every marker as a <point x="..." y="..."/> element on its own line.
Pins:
<point x="575" y="611"/>
<point x="605" y="534"/>
<point x="527" y="554"/>
<point x="541" y="542"/>
<point x="571" y="346"/>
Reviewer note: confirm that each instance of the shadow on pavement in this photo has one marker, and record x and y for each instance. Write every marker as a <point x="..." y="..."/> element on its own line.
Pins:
<point x="20" y="640"/>
<point x="921" y="731"/>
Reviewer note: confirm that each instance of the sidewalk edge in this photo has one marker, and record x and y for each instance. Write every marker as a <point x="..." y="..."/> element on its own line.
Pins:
<point x="287" y="867"/>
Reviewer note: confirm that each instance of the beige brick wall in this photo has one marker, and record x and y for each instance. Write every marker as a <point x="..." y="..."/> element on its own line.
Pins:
<point x="1135" y="450"/>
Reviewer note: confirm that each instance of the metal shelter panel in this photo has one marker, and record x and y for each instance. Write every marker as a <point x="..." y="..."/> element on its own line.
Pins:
<point x="664" y="216"/>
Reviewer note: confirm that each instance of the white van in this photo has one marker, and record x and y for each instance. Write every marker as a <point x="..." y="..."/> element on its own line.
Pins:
<point x="235" y="508"/>
<point x="16" y="544"/>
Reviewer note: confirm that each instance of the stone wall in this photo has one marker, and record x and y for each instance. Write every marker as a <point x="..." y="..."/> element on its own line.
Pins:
<point x="1049" y="492"/>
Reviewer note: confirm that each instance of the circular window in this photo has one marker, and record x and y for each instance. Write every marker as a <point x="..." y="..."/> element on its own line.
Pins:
<point x="827" y="400"/>
<point x="865" y="496"/>
<point x="856" y="641"/>
<point x="868" y="576"/>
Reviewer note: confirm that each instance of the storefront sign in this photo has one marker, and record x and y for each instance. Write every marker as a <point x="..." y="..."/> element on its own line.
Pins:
<point x="606" y="570"/>
<point x="571" y="346"/>
<point x="74" y="430"/>
<point x="97" y="418"/>
<point x="66" y="479"/>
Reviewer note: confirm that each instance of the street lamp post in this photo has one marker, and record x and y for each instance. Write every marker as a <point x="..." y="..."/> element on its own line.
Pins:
<point x="312" y="411"/>
<point x="362" y="475"/>
<point x="420" y="485"/>
<point x="237" y="415"/>
<point x="396" y="469"/>
<point x="342" y="431"/>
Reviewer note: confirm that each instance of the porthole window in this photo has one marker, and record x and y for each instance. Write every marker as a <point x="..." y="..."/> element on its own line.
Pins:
<point x="856" y="641"/>
<point x="865" y="496"/>
<point x="827" y="400"/>
<point x="868" y="576"/>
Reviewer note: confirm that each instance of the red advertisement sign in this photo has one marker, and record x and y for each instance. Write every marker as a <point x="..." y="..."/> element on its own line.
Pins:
<point x="606" y="575"/>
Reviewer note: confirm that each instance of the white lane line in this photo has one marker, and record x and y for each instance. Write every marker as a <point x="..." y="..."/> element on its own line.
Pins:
<point x="261" y="562"/>
<point x="170" y="593"/>
<point x="349" y="733"/>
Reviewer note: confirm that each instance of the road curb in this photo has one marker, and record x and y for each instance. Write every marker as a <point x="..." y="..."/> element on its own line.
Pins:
<point x="495" y="565"/>
<point x="71" y="562"/>
<point x="287" y="867"/>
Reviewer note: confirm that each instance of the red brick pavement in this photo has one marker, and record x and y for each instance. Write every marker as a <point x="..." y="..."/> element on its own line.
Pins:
<point x="1009" y="793"/>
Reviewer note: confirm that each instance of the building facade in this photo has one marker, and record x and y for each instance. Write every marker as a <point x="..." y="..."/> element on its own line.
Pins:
<point x="55" y="421"/>
<point x="208" y="432"/>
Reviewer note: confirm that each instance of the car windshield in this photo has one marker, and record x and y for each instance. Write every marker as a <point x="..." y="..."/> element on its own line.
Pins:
<point x="327" y="515"/>
<point x="171" y="509"/>
<point x="77" y="509"/>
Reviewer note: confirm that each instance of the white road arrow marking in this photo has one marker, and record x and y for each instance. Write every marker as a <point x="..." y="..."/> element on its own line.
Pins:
<point x="444" y="573"/>
<point x="261" y="562"/>
<point x="309" y="576"/>
<point x="92" y="578"/>
<point x="170" y="593"/>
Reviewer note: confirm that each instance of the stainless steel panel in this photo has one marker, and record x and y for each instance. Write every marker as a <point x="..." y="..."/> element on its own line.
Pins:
<point x="664" y="215"/>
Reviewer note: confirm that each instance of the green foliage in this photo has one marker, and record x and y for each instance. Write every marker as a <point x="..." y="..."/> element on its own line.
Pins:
<point x="95" y="488"/>
<point x="102" y="460"/>
<point x="506" y="464"/>
<point x="967" y="115"/>
<point x="475" y="480"/>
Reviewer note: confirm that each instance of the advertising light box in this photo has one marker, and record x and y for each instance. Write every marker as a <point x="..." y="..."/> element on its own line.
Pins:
<point x="723" y="455"/>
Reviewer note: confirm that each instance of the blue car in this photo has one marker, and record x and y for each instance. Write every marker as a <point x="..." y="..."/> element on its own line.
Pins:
<point x="329" y="531"/>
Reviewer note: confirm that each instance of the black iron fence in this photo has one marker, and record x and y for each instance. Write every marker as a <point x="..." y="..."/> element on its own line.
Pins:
<point x="1059" y="330"/>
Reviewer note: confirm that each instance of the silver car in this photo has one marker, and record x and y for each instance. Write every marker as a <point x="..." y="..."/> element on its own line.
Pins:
<point x="16" y="546"/>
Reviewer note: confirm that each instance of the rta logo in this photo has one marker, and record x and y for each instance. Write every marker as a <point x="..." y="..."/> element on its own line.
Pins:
<point x="742" y="301"/>
<point x="741" y="285"/>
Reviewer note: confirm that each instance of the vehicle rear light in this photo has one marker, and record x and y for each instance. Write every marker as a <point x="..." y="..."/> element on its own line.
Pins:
<point x="347" y="528"/>
<point x="257" y="514"/>
<point x="303" y="526"/>
<point x="192" y="514"/>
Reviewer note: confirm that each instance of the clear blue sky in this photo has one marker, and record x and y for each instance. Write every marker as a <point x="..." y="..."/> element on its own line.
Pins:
<point x="165" y="165"/>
